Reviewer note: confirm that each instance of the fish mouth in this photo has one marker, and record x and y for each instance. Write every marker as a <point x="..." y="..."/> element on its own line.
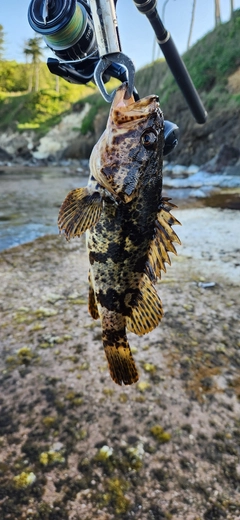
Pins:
<point x="127" y="110"/>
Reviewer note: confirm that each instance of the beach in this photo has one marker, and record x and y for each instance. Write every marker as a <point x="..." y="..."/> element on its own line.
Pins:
<point x="76" y="446"/>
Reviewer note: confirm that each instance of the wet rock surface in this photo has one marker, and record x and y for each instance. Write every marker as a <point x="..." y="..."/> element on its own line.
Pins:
<point x="76" y="446"/>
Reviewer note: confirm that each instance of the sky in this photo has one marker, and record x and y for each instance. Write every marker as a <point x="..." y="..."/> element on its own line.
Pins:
<point x="136" y="33"/>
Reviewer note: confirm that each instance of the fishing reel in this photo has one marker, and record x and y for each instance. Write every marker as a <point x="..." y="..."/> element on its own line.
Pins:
<point x="69" y="30"/>
<point x="85" y="40"/>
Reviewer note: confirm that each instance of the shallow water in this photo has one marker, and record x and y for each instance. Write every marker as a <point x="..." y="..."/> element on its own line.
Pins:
<point x="30" y="201"/>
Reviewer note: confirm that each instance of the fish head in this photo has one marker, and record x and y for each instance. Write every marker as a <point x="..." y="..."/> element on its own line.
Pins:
<point x="130" y="151"/>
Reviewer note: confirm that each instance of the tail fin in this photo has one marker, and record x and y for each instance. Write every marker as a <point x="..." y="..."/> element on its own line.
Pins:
<point x="120" y="361"/>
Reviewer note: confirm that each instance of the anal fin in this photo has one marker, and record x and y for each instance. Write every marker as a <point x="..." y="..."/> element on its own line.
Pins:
<point x="80" y="210"/>
<point x="148" y="312"/>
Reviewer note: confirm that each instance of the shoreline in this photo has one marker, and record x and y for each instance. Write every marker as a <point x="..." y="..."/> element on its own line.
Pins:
<point x="171" y="441"/>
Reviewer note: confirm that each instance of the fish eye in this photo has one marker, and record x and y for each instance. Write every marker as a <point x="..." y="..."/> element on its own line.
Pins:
<point x="149" y="138"/>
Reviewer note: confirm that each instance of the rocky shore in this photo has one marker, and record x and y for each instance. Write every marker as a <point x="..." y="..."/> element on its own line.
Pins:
<point x="76" y="446"/>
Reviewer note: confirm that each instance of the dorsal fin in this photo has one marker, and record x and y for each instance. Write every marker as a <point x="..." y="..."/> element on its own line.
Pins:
<point x="80" y="210"/>
<point x="163" y="241"/>
<point x="148" y="311"/>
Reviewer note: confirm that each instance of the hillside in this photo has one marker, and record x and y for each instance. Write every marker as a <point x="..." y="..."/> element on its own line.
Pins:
<point x="213" y="63"/>
<point x="214" y="66"/>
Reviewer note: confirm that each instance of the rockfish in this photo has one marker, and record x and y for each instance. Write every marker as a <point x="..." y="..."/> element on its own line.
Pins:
<point x="128" y="224"/>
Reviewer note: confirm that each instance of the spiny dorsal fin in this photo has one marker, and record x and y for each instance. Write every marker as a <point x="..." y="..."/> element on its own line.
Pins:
<point x="79" y="211"/>
<point x="163" y="241"/>
<point x="148" y="312"/>
<point x="92" y="306"/>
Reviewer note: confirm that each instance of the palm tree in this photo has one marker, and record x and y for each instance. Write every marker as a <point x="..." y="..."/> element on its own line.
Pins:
<point x="1" y="41"/>
<point x="191" y="23"/>
<point x="217" y="13"/>
<point x="34" y="50"/>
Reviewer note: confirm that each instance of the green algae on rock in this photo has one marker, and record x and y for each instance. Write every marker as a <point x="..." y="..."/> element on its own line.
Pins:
<point x="51" y="457"/>
<point x="24" y="479"/>
<point x="159" y="434"/>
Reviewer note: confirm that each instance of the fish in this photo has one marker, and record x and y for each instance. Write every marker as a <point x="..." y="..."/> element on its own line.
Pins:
<point x="128" y="227"/>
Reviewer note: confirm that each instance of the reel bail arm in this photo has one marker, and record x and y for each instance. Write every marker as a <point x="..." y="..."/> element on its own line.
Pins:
<point x="109" y="47"/>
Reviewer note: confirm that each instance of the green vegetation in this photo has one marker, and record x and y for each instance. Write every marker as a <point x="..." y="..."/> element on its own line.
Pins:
<point x="210" y="62"/>
<point x="159" y="434"/>
<point x="216" y="56"/>
<point x="40" y="110"/>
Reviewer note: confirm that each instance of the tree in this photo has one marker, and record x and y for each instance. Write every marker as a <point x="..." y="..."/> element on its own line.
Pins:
<point x="34" y="50"/>
<point x="1" y="41"/>
<point x="217" y="13"/>
<point x="191" y="24"/>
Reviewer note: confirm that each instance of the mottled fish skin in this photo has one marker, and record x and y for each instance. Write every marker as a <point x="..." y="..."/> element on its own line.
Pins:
<point x="128" y="227"/>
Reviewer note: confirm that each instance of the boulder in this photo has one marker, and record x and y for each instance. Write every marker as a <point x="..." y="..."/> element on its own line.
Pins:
<point x="79" y="148"/>
<point x="227" y="156"/>
<point x="4" y="155"/>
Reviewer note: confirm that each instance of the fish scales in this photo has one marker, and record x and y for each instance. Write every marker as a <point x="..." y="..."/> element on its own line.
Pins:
<point x="128" y="227"/>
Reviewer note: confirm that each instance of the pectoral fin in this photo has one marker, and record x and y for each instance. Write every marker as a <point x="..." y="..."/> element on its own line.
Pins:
<point x="79" y="211"/>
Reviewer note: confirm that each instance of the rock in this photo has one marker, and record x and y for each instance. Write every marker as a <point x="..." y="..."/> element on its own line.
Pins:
<point x="4" y="155"/>
<point x="178" y="169"/>
<point x="199" y="194"/>
<point x="16" y="144"/>
<point x="233" y="170"/>
<point x="79" y="147"/>
<point x="190" y="170"/>
<point x="226" y="156"/>
<point x="100" y="122"/>
<point x="64" y="139"/>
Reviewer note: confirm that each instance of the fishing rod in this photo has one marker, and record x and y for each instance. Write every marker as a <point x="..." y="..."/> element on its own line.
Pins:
<point x="84" y="36"/>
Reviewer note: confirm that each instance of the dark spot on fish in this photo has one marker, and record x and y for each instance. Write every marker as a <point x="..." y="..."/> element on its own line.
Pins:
<point x="118" y="139"/>
<point x="113" y="337"/>
<point x="140" y="264"/>
<point x="97" y="257"/>
<point x="131" y="180"/>
<point x="115" y="301"/>
<point x="115" y="252"/>
<point x="91" y="257"/>
<point x="109" y="300"/>
<point x="109" y="171"/>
